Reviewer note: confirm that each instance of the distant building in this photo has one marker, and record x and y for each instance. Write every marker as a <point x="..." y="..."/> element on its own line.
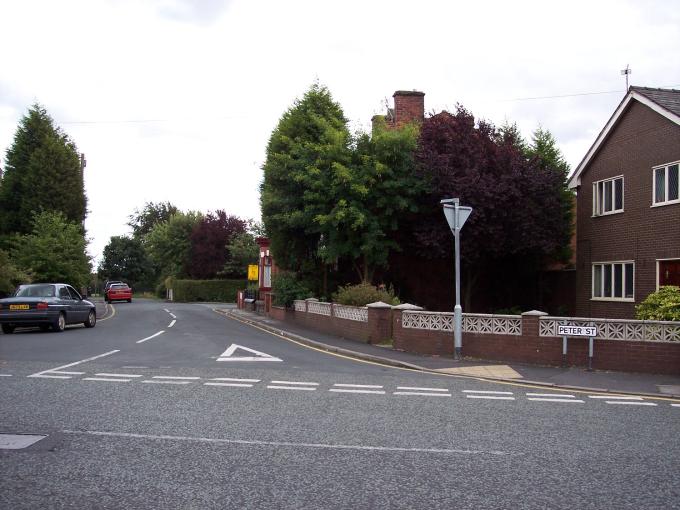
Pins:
<point x="628" y="206"/>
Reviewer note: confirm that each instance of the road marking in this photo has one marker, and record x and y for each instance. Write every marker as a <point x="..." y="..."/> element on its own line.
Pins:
<point x="357" y="386"/>
<point x="233" y="385"/>
<point x="155" y="381"/>
<point x="259" y="356"/>
<point x="302" y="388"/>
<point x="45" y="372"/>
<point x="105" y="379"/>
<point x="166" y="310"/>
<point x="65" y="373"/>
<point x="675" y="405"/>
<point x="489" y="392"/>
<point x="288" y="444"/>
<point x="628" y="403"/>
<point x="47" y="376"/>
<point x="119" y="375"/>
<point x="422" y="393"/>
<point x="5" y="375"/>
<point x="172" y="323"/>
<point x="179" y="378"/>
<point x="301" y="383"/>
<point x="375" y="392"/>
<point x="150" y="337"/>
<point x="489" y="397"/>
<point x="420" y="389"/>
<point x="172" y="315"/>
<point x="611" y="397"/>
<point x="113" y="312"/>
<point x="559" y="395"/>
<point x="231" y="379"/>
<point x="132" y="366"/>
<point x="568" y="401"/>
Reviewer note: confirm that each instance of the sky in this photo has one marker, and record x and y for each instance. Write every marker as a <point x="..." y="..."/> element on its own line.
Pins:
<point x="175" y="100"/>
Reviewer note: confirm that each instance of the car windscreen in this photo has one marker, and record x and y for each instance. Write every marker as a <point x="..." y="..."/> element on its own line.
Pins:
<point x="35" y="291"/>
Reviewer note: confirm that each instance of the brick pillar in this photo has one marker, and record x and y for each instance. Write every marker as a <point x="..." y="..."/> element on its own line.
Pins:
<point x="398" y="340"/>
<point x="530" y="323"/>
<point x="379" y="322"/>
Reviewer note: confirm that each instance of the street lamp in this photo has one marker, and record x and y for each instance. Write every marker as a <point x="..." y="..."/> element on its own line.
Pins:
<point x="456" y="216"/>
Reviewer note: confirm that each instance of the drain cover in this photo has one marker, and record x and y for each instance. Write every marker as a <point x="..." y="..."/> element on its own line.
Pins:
<point x="18" y="441"/>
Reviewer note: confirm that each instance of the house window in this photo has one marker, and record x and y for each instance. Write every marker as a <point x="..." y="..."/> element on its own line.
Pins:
<point x="666" y="189"/>
<point x="613" y="281"/>
<point x="608" y="196"/>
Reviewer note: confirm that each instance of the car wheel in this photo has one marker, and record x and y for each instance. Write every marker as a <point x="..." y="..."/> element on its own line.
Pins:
<point x="7" y="329"/>
<point x="60" y="324"/>
<point x="91" y="319"/>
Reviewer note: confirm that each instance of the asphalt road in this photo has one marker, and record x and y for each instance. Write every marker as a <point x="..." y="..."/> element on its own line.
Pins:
<point x="135" y="418"/>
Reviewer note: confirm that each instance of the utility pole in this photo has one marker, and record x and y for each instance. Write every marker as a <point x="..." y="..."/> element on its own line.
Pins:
<point x="625" y="72"/>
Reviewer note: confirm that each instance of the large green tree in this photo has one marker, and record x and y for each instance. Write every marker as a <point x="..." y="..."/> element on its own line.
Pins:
<point x="143" y="221"/>
<point x="42" y="173"/>
<point x="54" y="250"/>
<point x="168" y="243"/>
<point x="10" y="274"/>
<point x="125" y="259"/>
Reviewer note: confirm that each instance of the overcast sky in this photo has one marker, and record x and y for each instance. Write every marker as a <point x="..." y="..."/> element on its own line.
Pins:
<point x="175" y="99"/>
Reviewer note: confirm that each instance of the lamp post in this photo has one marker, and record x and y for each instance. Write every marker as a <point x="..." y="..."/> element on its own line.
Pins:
<point x="456" y="216"/>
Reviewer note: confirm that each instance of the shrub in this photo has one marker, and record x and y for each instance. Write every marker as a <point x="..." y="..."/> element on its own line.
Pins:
<point x="206" y="290"/>
<point x="662" y="305"/>
<point x="363" y="294"/>
<point x="287" y="288"/>
<point x="161" y="290"/>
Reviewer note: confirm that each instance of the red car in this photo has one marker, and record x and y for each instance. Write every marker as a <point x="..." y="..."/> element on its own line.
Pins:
<point x="118" y="292"/>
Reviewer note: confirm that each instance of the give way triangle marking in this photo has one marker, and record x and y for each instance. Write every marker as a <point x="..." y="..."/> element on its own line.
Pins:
<point x="228" y="355"/>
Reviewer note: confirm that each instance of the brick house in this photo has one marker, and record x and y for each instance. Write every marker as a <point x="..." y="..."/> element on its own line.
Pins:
<point x="628" y="206"/>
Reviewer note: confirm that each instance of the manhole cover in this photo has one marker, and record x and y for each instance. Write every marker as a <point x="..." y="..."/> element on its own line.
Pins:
<point x="18" y="441"/>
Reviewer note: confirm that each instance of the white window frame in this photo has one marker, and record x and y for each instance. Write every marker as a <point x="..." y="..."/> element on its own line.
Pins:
<point x="623" y="281"/>
<point x="596" y="197"/>
<point x="665" y="166"/>
<point x="658" y="267"/>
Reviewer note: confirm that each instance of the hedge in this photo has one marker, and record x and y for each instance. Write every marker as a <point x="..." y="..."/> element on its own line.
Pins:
<point x="207" y="290"/>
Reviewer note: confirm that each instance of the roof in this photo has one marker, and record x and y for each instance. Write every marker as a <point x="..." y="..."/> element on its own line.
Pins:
<point x="665" y="102"/>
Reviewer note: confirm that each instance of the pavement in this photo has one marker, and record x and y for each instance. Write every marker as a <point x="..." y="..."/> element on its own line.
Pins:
<point x="656" y="385"/>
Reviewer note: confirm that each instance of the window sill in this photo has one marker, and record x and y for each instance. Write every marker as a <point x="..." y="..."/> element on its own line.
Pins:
<point x="607" y="214"/>
<point x="662" y="204"/>
<point x="614" y="300"/>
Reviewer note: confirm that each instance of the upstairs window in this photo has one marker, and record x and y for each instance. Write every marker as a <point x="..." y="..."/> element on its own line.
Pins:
<point x="666" y="189"/>
<point x="608" y="196"/>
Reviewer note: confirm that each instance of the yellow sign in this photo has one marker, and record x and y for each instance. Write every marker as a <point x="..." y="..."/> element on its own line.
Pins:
<point x="252" y="272"/>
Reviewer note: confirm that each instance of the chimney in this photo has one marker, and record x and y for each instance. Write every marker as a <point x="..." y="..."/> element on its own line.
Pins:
<point x="409" y="106"/>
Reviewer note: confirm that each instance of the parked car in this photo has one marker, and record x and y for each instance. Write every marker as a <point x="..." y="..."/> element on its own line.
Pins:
<point x="46" y="305"/>
<point x="118" y="292"/>
<point x="109" y="283"/>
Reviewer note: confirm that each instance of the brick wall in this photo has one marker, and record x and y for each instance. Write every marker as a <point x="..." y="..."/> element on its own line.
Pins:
<point x="641" y="140"/>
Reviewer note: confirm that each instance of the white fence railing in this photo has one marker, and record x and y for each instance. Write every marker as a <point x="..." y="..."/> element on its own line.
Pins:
<point x="616" y="329"/>
<point x="299" y="305"/>
<point x="472" y="322"/>
<point x="319" y="308"/>
<point x="353" y="313"/>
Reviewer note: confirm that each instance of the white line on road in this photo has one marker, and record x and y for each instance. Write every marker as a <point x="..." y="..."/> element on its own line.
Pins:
<point x="489" y="392"/>
<point x="489" y="397"/>
<point x="105" y="379"/>
<point x="303" y="388"/>
<point x="675" y="405"/>
<point x="154" y="381"/>
<point x="420" y="389"/>
<point x="296" y="382"/>
<point x="150" y="337"/>
<point x="422" y="393"/>
<point x="561" y="395"/>
<point x="48" y="376"/>
<point x="118" y="375"/>
<point x="172" y="315"/>
<point x="374" y="392"/>
<point x="289" y="444"/>
<point x="231" y="385"/>
<point x="40" y="374"/>
<point x="568" y="401"/>
<point x="629" y="403"/>
<point x="61" y="372"/>
<point x="612" y="397"/>
<point x="5" y="375"/>
<point x="231" y="379"/>
<point x="172" y="323"/>
<point x="166" y="310"/>
<point x="357" y="386"/>
<point x="175" y="377"/>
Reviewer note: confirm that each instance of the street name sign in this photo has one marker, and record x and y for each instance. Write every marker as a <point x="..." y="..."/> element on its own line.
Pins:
<point x="590" y="331"/>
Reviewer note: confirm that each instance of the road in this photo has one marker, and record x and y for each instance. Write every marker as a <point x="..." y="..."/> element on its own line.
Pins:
<point x="214" y="413"/>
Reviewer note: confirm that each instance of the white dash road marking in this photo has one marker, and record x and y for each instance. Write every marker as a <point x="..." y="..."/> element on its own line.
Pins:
<point x="45" y="372"/>
<point x="428" y="394"/>
<point x="560" y="395"/>
<point x="179" y="378"/>
<point x="296" y="382"/>
<point x="675" y="405"/>
<point x="150" y="337"/>
<point x="172" y="315"/>
<point x="612" y="397"/>
<point x="629" y="403"/>
<point x="410" y="388"/>
<point x="490" y="397"/>
<point x="154" y="381"/>
<point x="230" y="384"/>
<point x="231" y="379"/>
<point x="565" y="400"/>
<point x="61" y="372"/>
<point x="288" y="444"/>
<point x="489" y="392"/>
<point x="166" y="310"/>
<point x="105" y="379"/>
<point x="374" y="392"/>
<point x="5" y="375"/>
<point x="118" y="375"/>
<point x="358" y="386"/>
<point x="172" y="323"/>
<point x="300" y="388"/>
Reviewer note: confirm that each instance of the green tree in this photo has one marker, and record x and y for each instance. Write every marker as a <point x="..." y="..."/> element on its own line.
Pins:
<point x="142" y="222"/>
<point x="168" y="243"/>
<point x="54" y="251"/>
<point x="125" y="259"/>
<point x="309" y="147"/>
<point x="42" y="173"/>
<point x="10" y="274"/>
<point x="242" y="251"/>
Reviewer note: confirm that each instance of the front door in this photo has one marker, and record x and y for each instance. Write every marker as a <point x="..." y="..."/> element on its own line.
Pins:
<point x="669" y="272"/>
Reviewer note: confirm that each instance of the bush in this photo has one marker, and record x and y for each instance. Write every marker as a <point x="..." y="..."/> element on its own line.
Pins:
<point x="287" y="288"/>
<point x="662" y="305"/>
<point x="161" y="290"/>
<point x="206" y="290"/>
<point x="363" y="294"/>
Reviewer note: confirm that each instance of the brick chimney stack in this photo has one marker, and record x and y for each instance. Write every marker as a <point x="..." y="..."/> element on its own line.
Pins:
<point x="409" y="106"/>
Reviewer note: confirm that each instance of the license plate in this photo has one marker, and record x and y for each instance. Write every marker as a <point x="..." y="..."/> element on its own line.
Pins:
<point x="18" y="307"/>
